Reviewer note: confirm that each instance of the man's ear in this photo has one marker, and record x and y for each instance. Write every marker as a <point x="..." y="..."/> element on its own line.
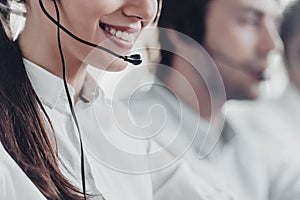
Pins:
<point x="293" y="53"/>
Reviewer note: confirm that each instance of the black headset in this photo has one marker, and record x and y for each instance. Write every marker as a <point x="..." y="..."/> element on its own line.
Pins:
<point x="133" y="59"/>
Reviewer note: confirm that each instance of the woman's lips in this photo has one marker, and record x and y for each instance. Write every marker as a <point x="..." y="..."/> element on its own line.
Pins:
<point x="121" y="36"/>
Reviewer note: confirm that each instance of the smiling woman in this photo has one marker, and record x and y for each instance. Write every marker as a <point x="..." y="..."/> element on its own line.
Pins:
<point x="36" y="125"/>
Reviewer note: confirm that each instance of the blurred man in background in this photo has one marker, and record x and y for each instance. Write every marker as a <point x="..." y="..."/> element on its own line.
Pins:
<point x="238" y="35"/>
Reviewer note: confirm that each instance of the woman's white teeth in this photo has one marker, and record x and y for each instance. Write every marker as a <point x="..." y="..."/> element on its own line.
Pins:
<point x="128" y="37"/>
<point x="112" y="31"/>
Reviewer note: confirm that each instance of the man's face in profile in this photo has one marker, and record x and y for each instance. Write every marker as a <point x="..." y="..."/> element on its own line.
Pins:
<point x="239" y="36"/>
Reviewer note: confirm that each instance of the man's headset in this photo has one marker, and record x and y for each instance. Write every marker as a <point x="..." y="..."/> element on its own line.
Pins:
<point x="134" y="59"/>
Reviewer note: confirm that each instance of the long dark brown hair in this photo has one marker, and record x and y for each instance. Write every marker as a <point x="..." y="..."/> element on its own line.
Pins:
<point x="23" y="119"/>
<point x="23" y="131"/>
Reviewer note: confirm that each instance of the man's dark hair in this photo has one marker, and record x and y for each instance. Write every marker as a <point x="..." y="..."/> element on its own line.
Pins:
<point x="290" y="26"/>
<point x="186" y="17"/>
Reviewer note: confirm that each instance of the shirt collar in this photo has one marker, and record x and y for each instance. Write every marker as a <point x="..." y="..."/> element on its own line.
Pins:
<point x="207" y="136"/>
<point x="51" y="91"/>
<point x="211" y="135"/>
<point x="90" y="91"/>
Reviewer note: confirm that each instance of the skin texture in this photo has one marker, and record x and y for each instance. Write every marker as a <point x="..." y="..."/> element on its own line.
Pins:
<point x="38" y="41"/>
<point x="239" y="36"/>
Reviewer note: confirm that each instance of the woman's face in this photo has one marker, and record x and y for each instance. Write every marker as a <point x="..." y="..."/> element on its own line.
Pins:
<point x="114" y="24"/>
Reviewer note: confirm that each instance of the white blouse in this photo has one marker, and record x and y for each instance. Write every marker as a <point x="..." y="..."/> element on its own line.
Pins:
<point x="14" y="184"/>
<point x="108" y="171"/>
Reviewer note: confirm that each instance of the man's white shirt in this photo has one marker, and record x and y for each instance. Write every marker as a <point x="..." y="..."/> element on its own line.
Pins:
<point x="244" y="164"/>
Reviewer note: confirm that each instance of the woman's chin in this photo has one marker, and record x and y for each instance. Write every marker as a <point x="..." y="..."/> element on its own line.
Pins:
<point x="117" y="66"/>
<point x="103" y="61"/>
